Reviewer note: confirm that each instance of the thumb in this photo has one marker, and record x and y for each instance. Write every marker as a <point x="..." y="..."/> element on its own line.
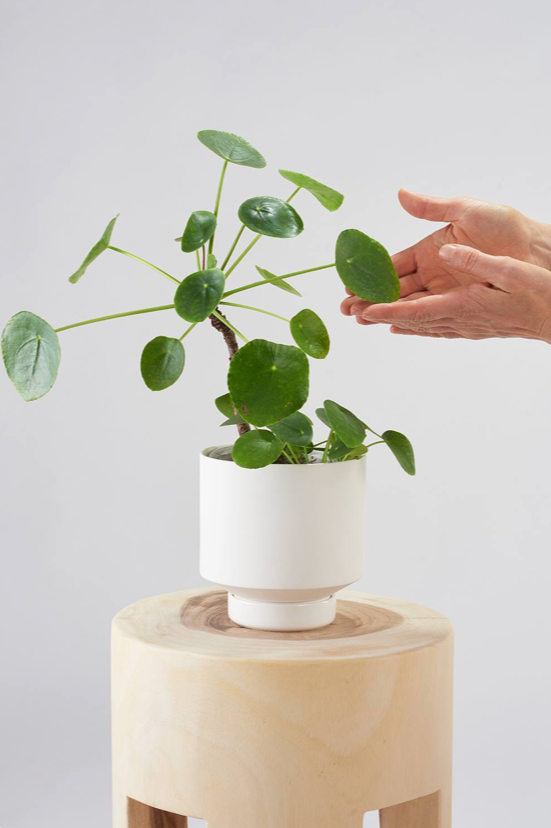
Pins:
<point x="431" y="208"/>
<point x="501" y="271"/>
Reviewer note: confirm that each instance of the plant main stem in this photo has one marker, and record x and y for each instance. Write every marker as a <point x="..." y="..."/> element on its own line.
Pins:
<point x="148" y="264"/>
<point x="114" y="316"/>
<point x="218" y="322"/>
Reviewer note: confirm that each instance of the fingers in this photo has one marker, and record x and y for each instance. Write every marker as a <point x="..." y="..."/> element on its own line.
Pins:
<point x="431" y="208"/>
<point x="417" y="311"/>
<point x="500" y="271"/>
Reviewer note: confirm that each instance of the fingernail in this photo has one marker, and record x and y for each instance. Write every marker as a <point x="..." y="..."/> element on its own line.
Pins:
<point x="448" y="251"/>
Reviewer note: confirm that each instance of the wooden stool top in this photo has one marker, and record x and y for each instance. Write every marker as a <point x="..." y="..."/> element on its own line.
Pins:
<point x="366" y="626"/>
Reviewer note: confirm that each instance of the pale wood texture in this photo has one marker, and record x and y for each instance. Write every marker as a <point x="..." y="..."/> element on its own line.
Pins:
<point x="262" y="730"/>
<point x="143" y="816"/>
<point x="425" y="812"/>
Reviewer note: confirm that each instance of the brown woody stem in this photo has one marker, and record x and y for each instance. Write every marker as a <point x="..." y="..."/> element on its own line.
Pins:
<point x="231" y="343"/>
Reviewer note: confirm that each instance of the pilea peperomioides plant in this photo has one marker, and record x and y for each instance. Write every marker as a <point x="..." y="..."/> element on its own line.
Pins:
<point x="267" y="381"/>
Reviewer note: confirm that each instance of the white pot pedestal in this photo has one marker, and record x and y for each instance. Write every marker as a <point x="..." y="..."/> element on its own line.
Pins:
<point x="283" y="616"/>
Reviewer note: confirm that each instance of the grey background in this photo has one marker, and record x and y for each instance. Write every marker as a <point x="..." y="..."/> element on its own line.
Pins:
<point x="101" y="103"/>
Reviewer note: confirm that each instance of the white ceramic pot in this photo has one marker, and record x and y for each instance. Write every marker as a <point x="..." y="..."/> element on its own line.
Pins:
<point x="283" y="539"/>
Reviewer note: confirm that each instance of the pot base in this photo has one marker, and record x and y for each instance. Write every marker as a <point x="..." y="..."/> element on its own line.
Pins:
<point x="282" y="617"/>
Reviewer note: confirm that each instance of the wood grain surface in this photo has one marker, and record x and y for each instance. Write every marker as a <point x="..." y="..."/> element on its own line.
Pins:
<point x="247" y="729"/>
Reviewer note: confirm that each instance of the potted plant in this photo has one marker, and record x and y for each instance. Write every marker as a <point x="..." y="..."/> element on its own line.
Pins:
<point x="282" y="579"/>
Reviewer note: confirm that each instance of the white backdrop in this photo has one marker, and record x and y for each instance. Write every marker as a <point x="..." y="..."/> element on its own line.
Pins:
<point x="98" y="491"/>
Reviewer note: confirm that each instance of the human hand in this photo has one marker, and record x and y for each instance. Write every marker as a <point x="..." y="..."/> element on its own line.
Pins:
<point x="493" y="228"/>
<point x="503" y="298"/>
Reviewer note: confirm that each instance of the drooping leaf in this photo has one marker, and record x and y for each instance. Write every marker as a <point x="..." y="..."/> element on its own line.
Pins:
<point x="162" y="362"/>
<point x="402" y="449"/>
<point x="198" y="295"/>
<point x="338" y="450"/>
<point x="199" y="229"/>
<point x="212" y="261"/>
<point x="267" y="381"/>
<point x="345" y="424"/>
<point x="232" y="148"/>
<point x="280" y="283"/>
<point x="331" y="199"/>
<point x="98" y="248"/>
<point x="271" y="217"/>
<point x="224" y="405"/>
<point x="366" y="268"/>
<point x="310" y="334"/>
<point x="235" y="419"/>
<point x="256" y="449"/>
<point x="356" y="453"/>
<point x="296" y="429"/>
<point x="31" y="353"/>
<point x="320" y="412"/>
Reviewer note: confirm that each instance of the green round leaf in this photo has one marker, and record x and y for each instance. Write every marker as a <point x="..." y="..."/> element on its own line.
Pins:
<point x="296" y="429"/>
<point x="231" y="148"/>
<point x="98" y="248"/>
<point x="224" y="405"/>
<point x="338" y="450"/>
<point x="271" y="217"/>
<point x="331" y="199"/>
<point x="310" y="334"/>
<point x="236" y="419"/>
<point x="199" y="229"/>
<point x="366" y="268"/>
<point x="356" y="453"/>
<point x="346" y="425"/>
<point x="162" y="362"/>
<point x="212" y="261"/>
<point x="198" y="295"/>
<point x="268" y="381"/>
<point x="256" y="449"/>
<point x="31" y="353"/>
<point x="280" y="283"/>
<point x="320" y="413"/>
<point x="401" y="449"/>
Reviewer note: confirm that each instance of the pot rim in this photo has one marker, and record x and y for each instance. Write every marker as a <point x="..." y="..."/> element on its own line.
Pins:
<point x="285" y="466"/>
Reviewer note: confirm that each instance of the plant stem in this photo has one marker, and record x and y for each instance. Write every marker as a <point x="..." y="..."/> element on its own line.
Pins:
<point x="232" y="248"/>
<point x="189" y="330"/>
<point x="148" y="264"/>
<point x="275" y="279"/>
<point x="376" y="443"/>
<point x="290" y="459"/>
<point x="217" y="205"/>
<point x="198" y="259"/>
<point x="229" y="325"/>
<point x="114" y="316"/>
<point x="293" y="194"/>
<point x="204" y="257"/>
<point x="220" y="323"/>
<point x="328" y="443"/>
<point x="242" y="256"/>
<point x="258" y="310"/>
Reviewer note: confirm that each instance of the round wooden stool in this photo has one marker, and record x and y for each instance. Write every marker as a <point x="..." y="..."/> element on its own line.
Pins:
<point x="249" y="729"/>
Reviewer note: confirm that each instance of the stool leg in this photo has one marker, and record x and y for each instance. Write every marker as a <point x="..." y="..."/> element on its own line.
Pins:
<point x="144" y="816"/>
<point x="426" y="812"/>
